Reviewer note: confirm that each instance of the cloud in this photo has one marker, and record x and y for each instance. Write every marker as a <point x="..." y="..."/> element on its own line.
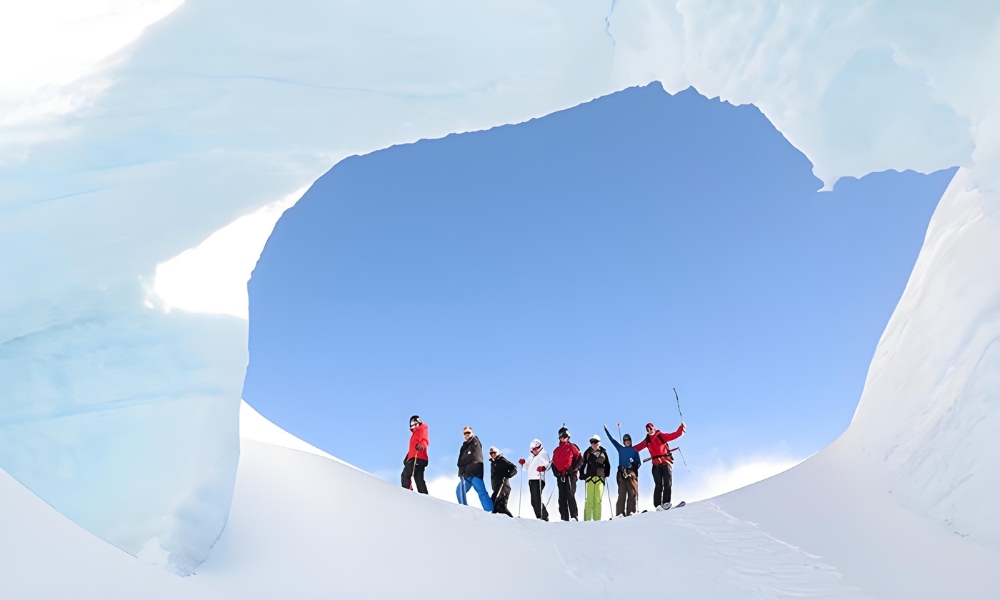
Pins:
<point x="723" y="478"/>
<point x="212" y="277"/>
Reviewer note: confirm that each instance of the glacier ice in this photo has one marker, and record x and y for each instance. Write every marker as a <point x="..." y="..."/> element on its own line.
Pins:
<point x="123" y="416"/>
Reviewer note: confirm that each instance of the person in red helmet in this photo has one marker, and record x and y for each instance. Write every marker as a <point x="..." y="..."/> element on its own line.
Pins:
<point x="658" y="444"/>
<point x="416" y="457"/>
<point x="566" y="463"/>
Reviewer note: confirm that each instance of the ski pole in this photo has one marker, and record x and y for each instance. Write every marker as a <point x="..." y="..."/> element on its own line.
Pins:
<point x="620" y="434"/>
<point x="678" y="404"/>
<point x="520" y="489"/>
<point x="682" y="459"/>
<point x="611" y="507"/>
<point x="677" y="449"/>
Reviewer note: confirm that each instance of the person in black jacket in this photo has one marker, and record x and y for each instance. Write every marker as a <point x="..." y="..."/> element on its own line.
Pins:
<point x="596" y="468"/>
<point x="470" y="471"/>
<point x="501" y="470"/>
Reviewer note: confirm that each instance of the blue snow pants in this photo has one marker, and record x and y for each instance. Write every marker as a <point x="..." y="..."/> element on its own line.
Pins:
<point x="475" y="482"/>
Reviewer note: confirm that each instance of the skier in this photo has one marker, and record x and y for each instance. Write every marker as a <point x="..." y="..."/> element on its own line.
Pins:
<point x="663" y="462"/>
<point x="536" y="467"/>
<point x="628" y="474"/>
<point x="416" y="456"/>
<point x="470" y="471"/>
<point x="596" y="469"/>
<point x="501" y="470"/>
<point x="566" y="462"/>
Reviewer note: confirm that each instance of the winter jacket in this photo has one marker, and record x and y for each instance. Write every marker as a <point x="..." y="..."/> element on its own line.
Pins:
<point x="537" y="460"/>
<point x="419" y="436"/>
<point x="566" y="459"/>
<point x="470" y="458"/>
<point x="659" y="446"/>
<point x="628" y="456"/>
<point x="501" y="469"/>
<point x="595" y="463"/>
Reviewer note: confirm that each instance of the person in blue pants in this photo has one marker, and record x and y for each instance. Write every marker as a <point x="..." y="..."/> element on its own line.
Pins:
<point x="470" y="471"/>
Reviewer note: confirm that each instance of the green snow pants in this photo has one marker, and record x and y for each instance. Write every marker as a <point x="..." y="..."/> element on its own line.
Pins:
<point x="592" y="506"/>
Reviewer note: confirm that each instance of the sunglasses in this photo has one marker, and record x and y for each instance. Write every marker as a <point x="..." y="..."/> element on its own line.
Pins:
<point x="492" y="453"/>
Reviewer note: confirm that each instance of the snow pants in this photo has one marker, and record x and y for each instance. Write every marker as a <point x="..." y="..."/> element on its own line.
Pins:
<point x="567" y="497"/>
<point x="535" y="488"/>
<point x="592" y="505"/>
<point x="662" y="481"/>
<point x="499" y="499"/>
<point x="414" y="468"/>
<point x="473" y="482"/>
<point x="628" y="492"/>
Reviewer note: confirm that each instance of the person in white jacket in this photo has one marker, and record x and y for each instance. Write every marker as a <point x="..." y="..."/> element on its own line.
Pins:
<point x="536" y="467"/>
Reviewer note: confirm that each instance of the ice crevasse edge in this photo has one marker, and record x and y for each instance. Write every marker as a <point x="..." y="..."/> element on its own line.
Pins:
<point x="125" y="418"/>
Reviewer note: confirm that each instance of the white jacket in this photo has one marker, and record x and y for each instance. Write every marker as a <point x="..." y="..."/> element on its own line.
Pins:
<point x="534" y="461"/>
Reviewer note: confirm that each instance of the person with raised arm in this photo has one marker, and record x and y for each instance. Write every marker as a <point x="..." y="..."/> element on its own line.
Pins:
<point x="658" y="444"/>
<point x="627" y="475"/>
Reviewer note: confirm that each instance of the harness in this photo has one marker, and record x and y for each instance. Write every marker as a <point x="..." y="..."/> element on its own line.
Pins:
<point x="668" y="455"/>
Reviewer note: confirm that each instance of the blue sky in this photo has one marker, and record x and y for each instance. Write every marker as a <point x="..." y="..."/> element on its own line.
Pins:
<point x="574" y="269"/>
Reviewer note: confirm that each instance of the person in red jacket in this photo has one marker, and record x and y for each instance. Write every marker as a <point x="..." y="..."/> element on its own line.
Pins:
<point x="566" y="462"/>
<point x="658" y="444"/>
<point x="416" y="457"/>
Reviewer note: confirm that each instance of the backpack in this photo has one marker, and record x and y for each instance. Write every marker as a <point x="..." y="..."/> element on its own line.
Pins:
<point x="511" y="470"/>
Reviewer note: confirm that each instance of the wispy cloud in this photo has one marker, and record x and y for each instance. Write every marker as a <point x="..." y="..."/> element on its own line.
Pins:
<point x="726" y="477"/>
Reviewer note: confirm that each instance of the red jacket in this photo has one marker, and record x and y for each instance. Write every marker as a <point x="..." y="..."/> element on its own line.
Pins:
<point x="659" y="445"/>
<point x="419" y="436"/>
<point x="566" y="457"/>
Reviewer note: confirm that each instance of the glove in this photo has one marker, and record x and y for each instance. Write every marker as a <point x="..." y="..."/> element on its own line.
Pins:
<point x="521" y="462"/>
<point x="541" y="469"/>
<point x="419" y="447"/>
<point x="683" y="427"/>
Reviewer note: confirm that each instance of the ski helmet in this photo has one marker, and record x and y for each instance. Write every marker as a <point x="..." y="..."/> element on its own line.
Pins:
<point x="595" y="438"/>
<point x="563" y="432"/>
<point x="626" y="438"/>
<point x="415" y="419"/>
<point x="536" y="443"/>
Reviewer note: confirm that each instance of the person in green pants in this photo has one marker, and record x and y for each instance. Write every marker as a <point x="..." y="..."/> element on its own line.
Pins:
<point x="596" y="468"/>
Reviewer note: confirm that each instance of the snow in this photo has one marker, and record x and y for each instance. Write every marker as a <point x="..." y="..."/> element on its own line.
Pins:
<point x="123" y="417"/>
<point x="305" y="526"/>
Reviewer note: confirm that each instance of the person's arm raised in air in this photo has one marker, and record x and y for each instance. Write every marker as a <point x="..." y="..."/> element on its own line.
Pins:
<point x="614" y="442"/>
<point x="669" y="437"/>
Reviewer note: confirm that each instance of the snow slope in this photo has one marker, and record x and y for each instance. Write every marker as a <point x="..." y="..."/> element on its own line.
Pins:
<point x="305" y="526"/>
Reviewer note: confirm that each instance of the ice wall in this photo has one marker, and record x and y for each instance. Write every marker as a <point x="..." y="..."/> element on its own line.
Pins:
<point x="930" y="413"/>
<point x="123" y="416"/>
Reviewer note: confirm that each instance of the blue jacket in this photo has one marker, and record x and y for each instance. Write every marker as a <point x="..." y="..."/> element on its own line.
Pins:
<point x="628" y="457"/>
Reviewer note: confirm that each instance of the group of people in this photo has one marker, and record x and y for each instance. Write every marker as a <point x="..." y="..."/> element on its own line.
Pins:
<point x="567" y="464"/>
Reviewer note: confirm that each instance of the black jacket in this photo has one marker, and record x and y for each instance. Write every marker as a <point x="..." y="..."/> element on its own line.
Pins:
<point x="501" y="470"/>
<point x="470" y="459"/>
<point x="596" y="463"/>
